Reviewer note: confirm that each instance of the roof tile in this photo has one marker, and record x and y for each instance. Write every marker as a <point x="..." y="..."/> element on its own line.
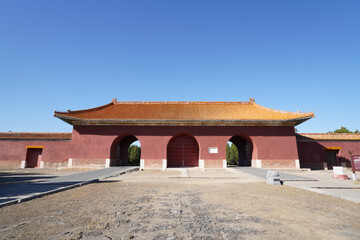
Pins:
<point x="182" y="111"/>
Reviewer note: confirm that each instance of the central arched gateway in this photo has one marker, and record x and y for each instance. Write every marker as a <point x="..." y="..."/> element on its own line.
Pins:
<point x="183" y="151"/>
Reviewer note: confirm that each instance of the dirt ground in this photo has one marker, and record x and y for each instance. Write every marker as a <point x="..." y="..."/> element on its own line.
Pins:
<point x="163" y="205"/>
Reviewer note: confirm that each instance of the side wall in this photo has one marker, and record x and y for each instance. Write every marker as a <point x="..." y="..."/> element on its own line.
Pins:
<point x="54" y="154"/>
<point x="312" y="153"/>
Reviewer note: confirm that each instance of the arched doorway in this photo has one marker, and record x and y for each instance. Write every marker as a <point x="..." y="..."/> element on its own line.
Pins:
<point x="126" y="151"/>
<point x="183" y="151"/>
<point x="241" y="148"/>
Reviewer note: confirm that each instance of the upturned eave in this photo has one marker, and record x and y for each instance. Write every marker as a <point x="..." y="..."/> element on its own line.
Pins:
<point x="184" y="122"/>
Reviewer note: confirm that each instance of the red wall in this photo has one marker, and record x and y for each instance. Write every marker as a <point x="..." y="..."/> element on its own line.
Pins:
<point x="91" y="145"/>
<point x="269" y="143"/>
<point x="13" y="152"/>
<point x="274" y="146"/>
<point x="312" y="154"/>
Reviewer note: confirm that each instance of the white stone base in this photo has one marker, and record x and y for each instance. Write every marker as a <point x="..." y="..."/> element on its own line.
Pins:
<point x="142" y="164"/>
<point x="107" y="163"/>
<point x="22" y="164"/>
<point x="41" y="164"/>
<point x="201" y="163"/>
<point x="258" y="163"/>
<point x="224" y="163"/>
<point x="69" y="162"/>
<point x="164" y="165"/>
<point x="297" y="163"/>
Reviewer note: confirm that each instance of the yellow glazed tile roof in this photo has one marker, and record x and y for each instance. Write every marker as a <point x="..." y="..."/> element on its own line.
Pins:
<point x="34" y="136"/>
<point x="182" y="111"/>
<point x="330" y="136"/>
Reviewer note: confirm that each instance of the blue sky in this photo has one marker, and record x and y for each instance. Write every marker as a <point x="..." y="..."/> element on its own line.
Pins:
<point x="288" y="55"/>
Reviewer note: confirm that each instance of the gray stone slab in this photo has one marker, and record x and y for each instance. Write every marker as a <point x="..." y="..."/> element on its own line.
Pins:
<point x="90" y="175"/>
<point x="261" y="173"/>
<point x="340" y="189"/>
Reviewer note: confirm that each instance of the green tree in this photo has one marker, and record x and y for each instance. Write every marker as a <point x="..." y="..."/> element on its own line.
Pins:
<point x="343" y="130"/>
<point x="232" y="154"/>
<point x="134" y="153"/>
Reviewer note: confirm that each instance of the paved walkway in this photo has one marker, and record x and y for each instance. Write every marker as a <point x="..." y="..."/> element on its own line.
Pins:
<point x="261" y="173"/>
<point x="11" y="193"/>
<point x="315" y="181"/>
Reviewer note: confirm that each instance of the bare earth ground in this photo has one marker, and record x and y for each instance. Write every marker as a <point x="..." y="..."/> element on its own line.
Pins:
<point x="162" y="205"/>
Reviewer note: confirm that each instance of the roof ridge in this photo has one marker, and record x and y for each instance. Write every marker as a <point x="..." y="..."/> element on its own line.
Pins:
<point x="113" y="102"/>
<point x="182" y="102"/>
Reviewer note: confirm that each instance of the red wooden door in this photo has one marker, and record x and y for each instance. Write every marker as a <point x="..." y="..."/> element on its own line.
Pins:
<point x="183" y="151"/>
<point x="33" y="157"/>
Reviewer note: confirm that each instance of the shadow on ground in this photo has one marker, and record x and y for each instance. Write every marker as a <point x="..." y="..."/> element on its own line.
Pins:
<point x="13" y="177"/>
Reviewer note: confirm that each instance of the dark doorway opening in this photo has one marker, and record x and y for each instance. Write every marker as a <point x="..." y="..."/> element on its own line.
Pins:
<point x="331" y="158"/>
<point x="183" y="151"/>
<point x="33" y="156"/>
<point x="126" y="151"/>
<point x="238" y="152"/>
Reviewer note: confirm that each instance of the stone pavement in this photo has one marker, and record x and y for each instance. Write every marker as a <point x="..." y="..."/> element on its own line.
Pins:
<point x="318" y="181"/>
<point x="261" y="173"/>
<point x="16" y="192"/>
<point x="339" y="188"/>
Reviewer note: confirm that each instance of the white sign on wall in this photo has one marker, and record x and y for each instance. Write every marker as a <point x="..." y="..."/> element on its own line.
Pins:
<point x="213" y="150"/>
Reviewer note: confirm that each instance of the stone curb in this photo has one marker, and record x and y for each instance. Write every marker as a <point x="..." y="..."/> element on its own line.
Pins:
<point x="121" y="173"/>
<point x="61" y="189"/>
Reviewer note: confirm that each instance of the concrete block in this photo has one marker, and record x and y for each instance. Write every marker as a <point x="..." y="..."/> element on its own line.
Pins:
<point x="273" y="178"/>
<point x="338" y="170"/>
<point x="338" y="173"/>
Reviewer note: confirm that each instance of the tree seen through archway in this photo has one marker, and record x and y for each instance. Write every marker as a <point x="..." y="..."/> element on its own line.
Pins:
<point x="232" y="154"/>
<point x="238" y="151"/>
<point x="134" y="153"/>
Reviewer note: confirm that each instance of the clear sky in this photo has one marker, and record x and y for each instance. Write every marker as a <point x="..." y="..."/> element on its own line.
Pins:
<point x="288" y="55"/>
